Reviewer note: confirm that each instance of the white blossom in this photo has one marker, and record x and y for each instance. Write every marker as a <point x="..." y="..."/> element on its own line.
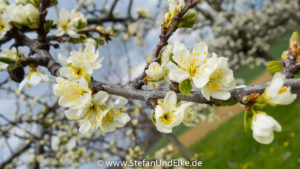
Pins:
<point x="145" y="13"/>
<point x="9" y="53"/>
<point x="174" y="5"/>
<point x="277" y="93"/>
<point x="167" y="114"/>
<point x="155" y="71"/>
<point x="114" y="117"/>
<point x="70" y="22"/>
<point x="80" y="63"/>
<point x="166" y="55"/>
<point x="190" y="66"/>
<point x="263" y="127"/>
<point x="72" y="94"/>
<point x="4" y="26"/>
<point x="34" y="78"/>
<point x="220" y="81"/>
<point x="90" y="42"/>
<point x="192" y="113"/>
<point x="23" y="14"/>
<point x="89" y="115"/>
<point x="3" y="6"/>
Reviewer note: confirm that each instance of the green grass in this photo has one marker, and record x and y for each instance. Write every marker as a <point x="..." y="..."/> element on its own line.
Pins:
<point x="230" y="147"/>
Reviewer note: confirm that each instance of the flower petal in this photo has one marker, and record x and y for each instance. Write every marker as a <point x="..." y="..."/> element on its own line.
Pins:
<point x="200" y="81"/>
<point x="100" y="97"/>
<point x="85" y="127"/>
<point x="119" y="103"/>
<point x="200" y="52"/>
<point x="222" y="95"/>
<point x="181" y="54"/>
<point x="171" y="98"/>
<point x="264" y="140"/>
<point x="176" y="74"/>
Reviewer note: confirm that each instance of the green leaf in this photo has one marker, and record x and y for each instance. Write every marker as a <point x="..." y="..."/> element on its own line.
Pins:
<point x="274" y="66"/>
<point x="100" y="41"/>
<point x="54" y="2"/>
<point x="49" y="24"/>
<point x="228" y="103"/>
<point x="88" y="78"/>
<point x="153" y="118"/>
<point x="259" y="105"/>
<point x="17" y="25"/>
<point x="7" y="60"/>
<point x="189" y="20"/>
<point x="78" y="40"/>
<point x="247" y="121"/>
<point x="149" y="57"/>
<point x="297" y="74"/>
<point x="35" y="3"/>
<point x="185" y="87"/>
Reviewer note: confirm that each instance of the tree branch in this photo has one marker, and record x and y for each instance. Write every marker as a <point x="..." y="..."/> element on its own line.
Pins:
<point x="16" y="154"/>
<point x="45" y="58"/>
<point x="166" y="33"/>
<point x="145" y="95"/>
<point x="185" y="151"/>
<point x="127" y="91"/>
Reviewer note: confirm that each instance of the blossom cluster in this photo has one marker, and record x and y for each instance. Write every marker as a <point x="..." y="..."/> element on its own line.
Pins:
<point x="194" y="71"/>
<point x="10" y="54"/>
<point x="70" y="23"/>
<point x="261" y="123"/>
<point x="33" y="78"/>
<point x="19" y="13"/>
<point x="73" y="88"/>
<point x="170" y="113"/>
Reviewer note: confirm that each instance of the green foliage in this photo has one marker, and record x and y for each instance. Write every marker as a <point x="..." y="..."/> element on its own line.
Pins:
<point x="247" y="121"/>
<point x="100" y="41"/>
<point x="189" y="20"/>
<point x="297" y="74"/>
<point x="7" y="60"/>
<point x="54" y="2"/>
<point x="35" y="3"/>
<point x="185" y="87"/>
<point x="274" y="66"/>
<point x="48" y="24"/>
<point x="88" y="78"/>
<point x="148" y="59"/>
<point x="228" y="103"/>
<point x="230" y="147"/>
<point x="153" y="118"/>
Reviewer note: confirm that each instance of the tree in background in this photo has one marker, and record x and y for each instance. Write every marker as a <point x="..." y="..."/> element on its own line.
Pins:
<point x="74" y="105"/>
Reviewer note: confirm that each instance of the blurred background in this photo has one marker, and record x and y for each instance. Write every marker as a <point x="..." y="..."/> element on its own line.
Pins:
<point x="34" y="132"/>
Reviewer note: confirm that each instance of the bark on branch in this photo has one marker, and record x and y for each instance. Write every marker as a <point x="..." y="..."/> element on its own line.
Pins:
<point x="127" y="91"/>
<point x="16" y="154"/>
<point x="145" y="95"/>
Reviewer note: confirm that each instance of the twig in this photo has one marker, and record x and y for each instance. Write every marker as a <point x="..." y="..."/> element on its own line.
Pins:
<point x="15" y="155"/>
<point x="166" y="33"/>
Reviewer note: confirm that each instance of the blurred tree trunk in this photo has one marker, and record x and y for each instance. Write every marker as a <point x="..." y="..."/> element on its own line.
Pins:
<point x="184" y="150"/>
